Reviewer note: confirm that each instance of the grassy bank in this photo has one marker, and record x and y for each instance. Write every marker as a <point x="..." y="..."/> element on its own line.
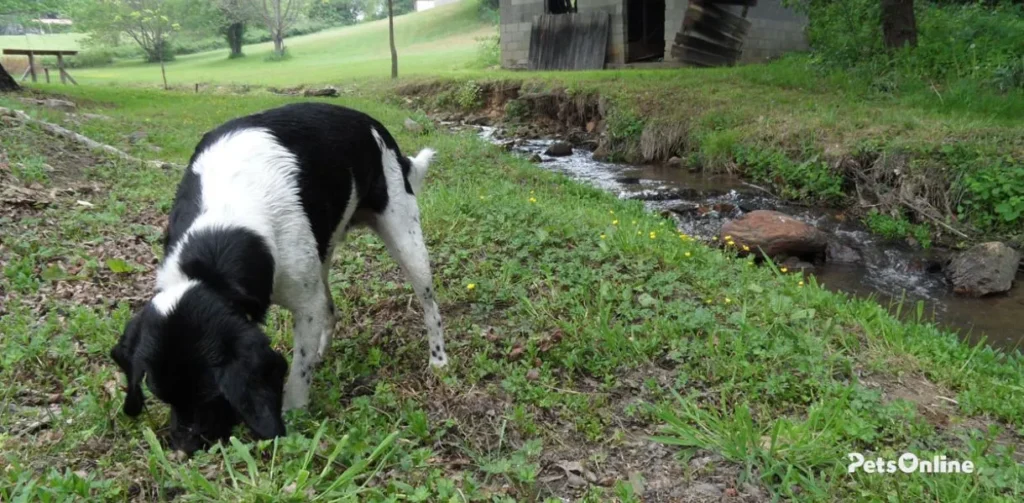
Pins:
<point x="949" y="164"/>
<point x="579" y="327"/>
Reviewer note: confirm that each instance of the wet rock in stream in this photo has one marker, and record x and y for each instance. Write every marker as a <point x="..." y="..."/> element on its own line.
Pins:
<point x="984" y="269"/>
<point x="775" y="234"/>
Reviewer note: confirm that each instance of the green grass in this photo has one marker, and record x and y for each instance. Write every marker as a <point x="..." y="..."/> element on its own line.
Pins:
<point x="64" y="41"/>
<point x="591" y="328"/>
<point x="438" y="40"/>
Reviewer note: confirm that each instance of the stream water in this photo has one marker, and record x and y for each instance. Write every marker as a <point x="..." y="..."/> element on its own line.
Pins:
<point x="890" y="271"/>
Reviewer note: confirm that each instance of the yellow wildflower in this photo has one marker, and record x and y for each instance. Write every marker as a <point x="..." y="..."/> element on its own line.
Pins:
<point x="653" y="235"/>
<point x="746" y="248"/>
<point x="533" y="199"/>
<point x="687" y="254"/>
<point x="615" y="222"/>
<point x="602" y="236"/>
<point x="784" y="269"/>
<point x="728" y="300"/>
<point x="611" y="212"/>
<point x="728" y="238"/>
<point x="471" y="286"/>
<point x="800" y="283"/>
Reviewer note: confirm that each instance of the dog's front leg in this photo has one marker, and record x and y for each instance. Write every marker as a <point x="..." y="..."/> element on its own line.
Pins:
<point x="314" y="325"/>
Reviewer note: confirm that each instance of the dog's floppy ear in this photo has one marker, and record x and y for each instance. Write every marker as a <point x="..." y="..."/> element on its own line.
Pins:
<point x="124" y="355"/>
<point x="253" y="383"/>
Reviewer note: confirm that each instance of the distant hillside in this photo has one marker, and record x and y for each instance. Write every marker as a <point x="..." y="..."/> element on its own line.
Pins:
<point x="440" y="39"/>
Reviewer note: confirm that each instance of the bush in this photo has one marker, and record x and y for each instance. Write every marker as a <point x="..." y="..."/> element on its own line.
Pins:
<point x="488" y="52"/>
<point x="993" y="197"/>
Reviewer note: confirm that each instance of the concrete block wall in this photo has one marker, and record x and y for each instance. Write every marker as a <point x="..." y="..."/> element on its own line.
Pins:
<point x="675" y="11"/>
<point x="774" y="31"/>
<point x="617" y="25"/>
<point x="516" y="21"/>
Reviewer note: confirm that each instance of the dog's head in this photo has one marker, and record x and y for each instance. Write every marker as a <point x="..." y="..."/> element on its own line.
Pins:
<point x="208" y="361"/>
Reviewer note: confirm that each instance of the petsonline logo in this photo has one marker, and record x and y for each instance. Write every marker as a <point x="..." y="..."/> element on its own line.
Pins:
<point x="908" y="463"/>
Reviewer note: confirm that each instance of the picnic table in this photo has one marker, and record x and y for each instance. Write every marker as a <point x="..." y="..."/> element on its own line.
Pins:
<point x="32" y="53"/>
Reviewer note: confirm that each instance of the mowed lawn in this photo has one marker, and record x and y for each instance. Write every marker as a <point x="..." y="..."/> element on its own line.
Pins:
<point x="62" y="41"/>
<point x="597" y="355"/>
<point x="439" y="40"/>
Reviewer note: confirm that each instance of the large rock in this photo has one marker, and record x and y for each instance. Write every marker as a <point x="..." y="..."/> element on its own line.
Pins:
<point x="559" y="149"/>
<point x="984" y="269"/>
<point x="776" y="234"/>
<point x="837" y="252"/>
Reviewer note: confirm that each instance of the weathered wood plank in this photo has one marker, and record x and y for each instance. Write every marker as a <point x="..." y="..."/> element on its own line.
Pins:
<point x="37" y="52"/>
<point x="569" y="41"/>
<point x="704" y="45"/>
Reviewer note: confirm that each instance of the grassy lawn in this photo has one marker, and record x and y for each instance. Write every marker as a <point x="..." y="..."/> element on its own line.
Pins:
<point x="596" y="354"/>
<point x="64" y="41"/>
<point x="438" y="40"/>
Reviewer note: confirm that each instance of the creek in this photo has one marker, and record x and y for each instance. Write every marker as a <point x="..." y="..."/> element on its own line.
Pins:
<point x="893" y="272"/>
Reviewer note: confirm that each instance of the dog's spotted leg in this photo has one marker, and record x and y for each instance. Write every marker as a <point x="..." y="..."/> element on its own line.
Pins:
<point x="314" y="325"/>
<point x="399" y="228"/>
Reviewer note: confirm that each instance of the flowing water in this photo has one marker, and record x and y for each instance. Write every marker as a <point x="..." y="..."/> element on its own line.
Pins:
<point x="893" y="273"/>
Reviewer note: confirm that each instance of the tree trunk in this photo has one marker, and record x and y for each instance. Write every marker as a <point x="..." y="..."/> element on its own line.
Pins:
<point x="899" y="26"/>
<point x="7" y="83"/>
<point x="234" y="35"/>
<point x="391" y="34"/>
<point x="278" y="44"/>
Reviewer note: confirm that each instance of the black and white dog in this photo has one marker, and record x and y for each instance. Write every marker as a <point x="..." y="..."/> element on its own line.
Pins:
<point x="262" y="204"/>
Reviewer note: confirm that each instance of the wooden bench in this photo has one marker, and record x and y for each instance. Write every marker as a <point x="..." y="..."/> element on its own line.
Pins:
<point x="32" y="53"/>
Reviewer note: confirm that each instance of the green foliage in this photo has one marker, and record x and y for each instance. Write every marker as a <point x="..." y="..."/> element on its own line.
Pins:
<point x="151" y="24"/>
<point x="898" y="227"/>
<point x="516" y="109"/>
<point x="488" y="52"/>
<point x="993" y="196"/>
<point x="812" y="179"/>
<point x="975" y="42"/>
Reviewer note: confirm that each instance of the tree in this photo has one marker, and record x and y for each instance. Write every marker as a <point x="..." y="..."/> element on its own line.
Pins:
<point x="391" y="35"/>
<point x="337" y="12"/>
<point x="152" y="24"/>
<point x="7" y="83"/>
<point x="899" y="26"/>
<point x="234" y="16"/>
<point x="278" y="16"/>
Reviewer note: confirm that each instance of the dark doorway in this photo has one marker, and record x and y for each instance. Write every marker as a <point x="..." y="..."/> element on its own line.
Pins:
<point x="645" y="30"/>
<point x="561" y="6"/>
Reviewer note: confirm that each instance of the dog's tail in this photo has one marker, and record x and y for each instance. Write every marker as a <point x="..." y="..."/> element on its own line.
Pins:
<point x="418" y="168"/>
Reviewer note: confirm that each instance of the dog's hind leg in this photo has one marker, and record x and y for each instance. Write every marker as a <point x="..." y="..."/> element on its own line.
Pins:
<point x="399" y="228"/>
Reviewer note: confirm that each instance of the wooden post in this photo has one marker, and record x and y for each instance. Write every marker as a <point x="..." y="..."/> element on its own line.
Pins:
<point x="47" y="72"/>
<point x="197" y="88"/>
<point x="32" y="66"/>
<point x="60" y="68"/>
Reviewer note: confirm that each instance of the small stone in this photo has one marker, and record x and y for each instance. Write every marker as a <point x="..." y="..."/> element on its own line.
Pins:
<point x="533" y="375"/>
<point x="327" y="92"/>
<point x="536" y="159"/>
<point x="559" y="149"/>
<point x="732" y="492"/>
<point x="674" y="162"/>
<point x="413" y="126"/>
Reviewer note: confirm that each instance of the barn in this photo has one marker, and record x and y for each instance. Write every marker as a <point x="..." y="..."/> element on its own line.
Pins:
<point x="594" y="34"/>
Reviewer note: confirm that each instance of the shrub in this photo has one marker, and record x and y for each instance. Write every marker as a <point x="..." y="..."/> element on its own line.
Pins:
<point x="897" y="227"/>
<point x="993" y="196"/>
<point x="488" y="52"/>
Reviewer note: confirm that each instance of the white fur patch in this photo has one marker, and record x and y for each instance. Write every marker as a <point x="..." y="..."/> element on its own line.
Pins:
<point x="168" y="299"/>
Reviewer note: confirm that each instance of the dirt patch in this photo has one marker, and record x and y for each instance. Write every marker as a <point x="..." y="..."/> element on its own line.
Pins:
<point x="938" y="405"/>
